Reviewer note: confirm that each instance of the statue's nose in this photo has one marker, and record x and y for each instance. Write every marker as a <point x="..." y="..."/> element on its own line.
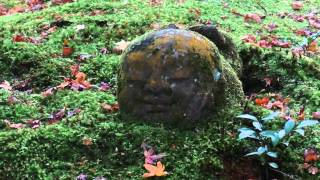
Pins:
<point x="157" y="86"/>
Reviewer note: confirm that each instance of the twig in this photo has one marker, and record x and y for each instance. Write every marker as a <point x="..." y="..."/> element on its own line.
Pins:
<point x="285" y="174"/>
<point x="264" y="9"/>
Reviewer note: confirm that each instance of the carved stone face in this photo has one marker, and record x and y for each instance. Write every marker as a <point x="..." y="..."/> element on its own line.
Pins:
<point x="168" y="76"/>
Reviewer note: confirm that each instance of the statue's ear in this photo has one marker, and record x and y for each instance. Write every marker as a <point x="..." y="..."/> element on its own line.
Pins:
<point x="223" y="42"/>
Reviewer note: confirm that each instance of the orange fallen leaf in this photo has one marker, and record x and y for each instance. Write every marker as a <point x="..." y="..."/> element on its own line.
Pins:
<point x="301" y="116"/>
<point x="67" y="51"/>
<point x="310" y="155"/>
<point x="47" y="92"/>
<point x="154" y="170"/>
<point x="66" y="82"/>
<point x="81" y="79"/>
<point x="262" y="102"/>
<point x="313" y="46"/>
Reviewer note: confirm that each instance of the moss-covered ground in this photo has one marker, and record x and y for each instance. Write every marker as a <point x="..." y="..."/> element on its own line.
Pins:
<point x="99" y="143"/>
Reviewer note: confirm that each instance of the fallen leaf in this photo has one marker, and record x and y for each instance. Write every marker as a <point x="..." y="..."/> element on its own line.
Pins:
<point x="303" y="32"/>
<point x="18" y="38"/>
<point x="81" y="80"/>
<point x="298" y="51"/>
<point x="6" y="85"/>
<point x="249" y="38"/>
<point x="315" y="23"/>
<point x="316" y="115"/>
<point x="268" y="81"/>
<point x="154" y="170"/>
<point x="313" y="46"/>
<point x="82" y="177"/>
<point x="262" y="102"/>
<point x="104" y="86"/>
<point x="282" y="44"/>
<point x="12" y="100"/>
<point x="195" y="11"/>
<point x="110" y="108"/>
<point x="264" y="44"/>
<point x="16" y="9"/>
<point x="313" y="170"/>
<point x="271" y="27"/>
<point x="298" y="18"/>
<point x="83" y="57"/>
<point x="66" y="82"/>
<point x="3" y="10"/>
<point x="34" y="123"/>
<point x="67" y="51"/>
<point x="297" y="5"/>
<point x="155" y="2"/>
<point x="310" y="155"/>
<point x="56" y="117"/>
<point x="73" y="112"/>
<point x="97" y="12"/>
<point x="47" y="92"/>
<point x="150" y="156"/>
<point x="104" y="51"/>
<point x="278" y="104"/>
<point x="14" y="125"/>
<point x="17" y="126"/>
<point x="60" y="2"/>
<point x="301" y="114"/>
<point x="251" y="17"/>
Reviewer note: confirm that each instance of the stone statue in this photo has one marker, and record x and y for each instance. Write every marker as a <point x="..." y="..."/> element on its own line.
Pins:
<point x="179" y="77"/>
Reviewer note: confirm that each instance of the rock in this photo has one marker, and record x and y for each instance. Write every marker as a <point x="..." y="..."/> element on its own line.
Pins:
<point x="176" y="77"/>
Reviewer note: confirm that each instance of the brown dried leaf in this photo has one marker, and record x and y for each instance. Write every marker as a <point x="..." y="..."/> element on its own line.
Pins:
<point x="155" y="2"/>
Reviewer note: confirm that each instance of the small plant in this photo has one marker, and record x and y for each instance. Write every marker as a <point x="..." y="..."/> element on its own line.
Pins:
<point x="261" y="132"/>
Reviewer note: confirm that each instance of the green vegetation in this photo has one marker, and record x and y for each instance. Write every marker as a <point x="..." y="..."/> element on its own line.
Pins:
<point x="58" y="151"/>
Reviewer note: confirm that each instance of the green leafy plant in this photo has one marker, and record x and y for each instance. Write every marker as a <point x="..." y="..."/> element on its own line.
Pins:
<point x="268" y="140"/>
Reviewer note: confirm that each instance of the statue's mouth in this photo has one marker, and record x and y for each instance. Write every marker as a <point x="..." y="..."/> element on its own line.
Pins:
<point x="156" y="104"/>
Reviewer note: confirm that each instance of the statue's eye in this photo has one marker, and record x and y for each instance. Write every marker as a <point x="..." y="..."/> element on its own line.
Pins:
<point x="177" y="80"/>
<point x="136" y="82"/>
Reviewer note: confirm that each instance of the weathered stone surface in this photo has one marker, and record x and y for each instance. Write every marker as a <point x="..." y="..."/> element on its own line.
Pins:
<point x="176" y="77"/>
<point x="224" y="44"/>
